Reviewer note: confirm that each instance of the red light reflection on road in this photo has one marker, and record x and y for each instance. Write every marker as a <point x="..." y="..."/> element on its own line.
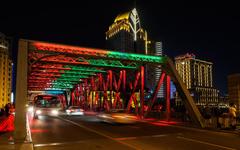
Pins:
<point x="38" y="131"/>
<point x="168" y="122"/>
<point x="159" y="124"/>
<point x="164" y="123"/>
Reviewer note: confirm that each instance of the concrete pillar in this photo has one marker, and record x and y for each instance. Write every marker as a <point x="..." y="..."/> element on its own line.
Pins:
<point x="20" y="132"/>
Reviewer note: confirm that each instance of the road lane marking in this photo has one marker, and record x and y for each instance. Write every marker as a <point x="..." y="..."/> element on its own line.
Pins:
<point x="99" y="133"/>
<point x="138" y="137"/>
<point x="207" y="143"/>
<point x="62" y="143"/>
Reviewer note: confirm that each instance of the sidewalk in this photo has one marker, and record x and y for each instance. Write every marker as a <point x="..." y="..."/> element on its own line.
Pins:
<point x="7" y="140"/>
<point x="172" y="122"/>
<point x="5" y="137"/>
<point x="6" y="143"/>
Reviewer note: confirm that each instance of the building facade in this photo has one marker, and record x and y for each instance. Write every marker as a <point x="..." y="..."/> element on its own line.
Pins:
<point x="234" y="89"/>
<point x="5" y="72"/>
<point x="154" y="72"/>
<point x="126" y="34"/>
<point x="197" y="75"/>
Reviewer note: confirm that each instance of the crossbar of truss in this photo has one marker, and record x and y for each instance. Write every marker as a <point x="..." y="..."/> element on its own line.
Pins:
<point x="59" y="48"/>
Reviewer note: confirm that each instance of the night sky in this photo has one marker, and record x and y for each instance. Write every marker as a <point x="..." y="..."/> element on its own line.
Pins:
<point x="209" y="30"/>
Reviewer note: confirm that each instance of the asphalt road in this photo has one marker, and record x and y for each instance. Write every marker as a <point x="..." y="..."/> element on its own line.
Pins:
<point x="87" y="132"/>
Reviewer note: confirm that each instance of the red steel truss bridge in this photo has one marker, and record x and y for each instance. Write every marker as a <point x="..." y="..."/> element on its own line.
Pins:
<point x="95" y="78"/>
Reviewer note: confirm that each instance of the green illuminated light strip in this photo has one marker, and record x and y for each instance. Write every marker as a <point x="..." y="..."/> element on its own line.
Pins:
<point x="62" y="86"/>
<point x="65" y="82"/>
<point x="68" y="79"/>
<point x="61" y="83"/>
<point x="72" y="76"/>
<point x="109" y="63"/>
<point x="89" y="69"/>
<point x="137" y="57"/>
<point x="77" y="72"/>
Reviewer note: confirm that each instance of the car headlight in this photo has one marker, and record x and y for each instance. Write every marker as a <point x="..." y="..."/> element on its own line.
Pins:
<point x="30" y="109"/>
<point x="55" y="112"/>
<point x="38" y="112"/>
<point x="68" y="111"/>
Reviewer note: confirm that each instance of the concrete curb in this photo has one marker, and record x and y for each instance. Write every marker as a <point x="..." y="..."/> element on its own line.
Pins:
<point x="17" y="146"/>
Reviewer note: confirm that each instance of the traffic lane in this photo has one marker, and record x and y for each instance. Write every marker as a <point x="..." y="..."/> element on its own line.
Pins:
<point x="213" y="137"/>
<point x="122" y="130"/>
<point x="171" y="142"/>
<point x="51" y="129"/>
<point x="209" y="138"/>
<point x="54" y="133"/>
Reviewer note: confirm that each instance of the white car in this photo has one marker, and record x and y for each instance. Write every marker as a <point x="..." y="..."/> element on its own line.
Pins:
<point x="75" y="110"/>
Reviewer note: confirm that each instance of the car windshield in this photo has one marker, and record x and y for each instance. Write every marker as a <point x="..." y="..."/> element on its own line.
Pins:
<point x="47" y="103"/>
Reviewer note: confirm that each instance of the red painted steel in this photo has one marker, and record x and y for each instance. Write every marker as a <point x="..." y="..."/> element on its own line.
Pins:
<point x="152" y="101"/>
<point x="133" y="89"/>
<point x="117" y="86"/>
<point x="142" y="91"/>
<point x="168" y="88"/>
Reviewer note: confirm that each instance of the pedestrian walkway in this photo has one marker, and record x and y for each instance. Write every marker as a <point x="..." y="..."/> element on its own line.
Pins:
<point x="6" y="136"/>
<point x="7" y="143"/>
<point x="172" y="122"/>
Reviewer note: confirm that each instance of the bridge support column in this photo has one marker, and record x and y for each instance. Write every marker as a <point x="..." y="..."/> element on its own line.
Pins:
<point x="20" y="133"/>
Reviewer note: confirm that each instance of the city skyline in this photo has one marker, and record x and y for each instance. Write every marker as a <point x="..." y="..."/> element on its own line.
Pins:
<point x="207" y="31"/>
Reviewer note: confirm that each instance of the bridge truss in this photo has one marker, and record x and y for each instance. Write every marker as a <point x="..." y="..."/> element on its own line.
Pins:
<point x="95" y="78"/>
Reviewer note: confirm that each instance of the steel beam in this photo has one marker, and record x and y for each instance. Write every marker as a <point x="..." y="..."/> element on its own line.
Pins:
<point x="184" y="93"/>
<point x="168" y="107"/>
<point x="153" y="98"/>
<point x="142" y="91"/>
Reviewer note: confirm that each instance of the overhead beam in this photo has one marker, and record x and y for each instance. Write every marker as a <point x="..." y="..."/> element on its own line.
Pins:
<point x="93" y="52"/>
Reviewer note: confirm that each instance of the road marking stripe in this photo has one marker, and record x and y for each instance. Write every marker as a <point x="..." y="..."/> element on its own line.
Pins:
<point x="99" y="133"/>
<point x="138" y="137"/>
<point x="207" y="143"/>
<point x="62" y="143"/>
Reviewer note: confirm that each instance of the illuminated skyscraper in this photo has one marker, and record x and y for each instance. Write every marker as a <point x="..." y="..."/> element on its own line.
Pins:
<point x="154" y="72"/>
<point x="197" y="75"/>
<point x="234" y="89"/>
<point x="126" y="34"/>
<point x="5" y="72"/>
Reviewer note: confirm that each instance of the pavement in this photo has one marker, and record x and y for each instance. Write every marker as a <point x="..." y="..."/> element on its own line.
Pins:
<point x="7" y="141"/>
<point x="6" y="138"/>
<point x="177" y="123"/>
